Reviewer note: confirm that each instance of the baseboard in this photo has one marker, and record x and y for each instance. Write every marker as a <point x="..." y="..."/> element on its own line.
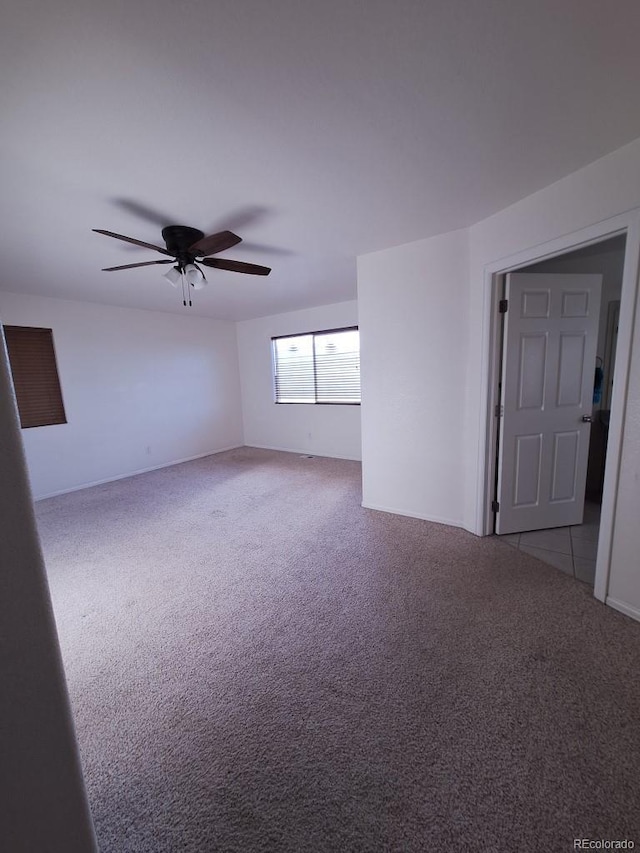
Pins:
<point x="627" y="609"/>
<point x="305" y="452"/>
<point x="135" y="473"/>
<point x="435" y="519"/>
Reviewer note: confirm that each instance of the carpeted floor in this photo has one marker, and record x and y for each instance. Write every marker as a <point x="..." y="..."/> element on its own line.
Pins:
<point x="256" y="663"/>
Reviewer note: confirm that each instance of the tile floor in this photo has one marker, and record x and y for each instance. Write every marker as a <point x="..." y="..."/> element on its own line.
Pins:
<point x="570" y="549"/>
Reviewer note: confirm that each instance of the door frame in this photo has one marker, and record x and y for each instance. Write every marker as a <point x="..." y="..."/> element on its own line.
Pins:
<point x="625" y="223"/>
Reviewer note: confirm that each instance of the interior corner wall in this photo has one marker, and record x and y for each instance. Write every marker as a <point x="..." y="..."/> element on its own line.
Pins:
<point x="141" y="389"/>
<point x="44" y="802"/>
<point x="318" y="430"/>
<point x="412" y="303"/>
<point x="598" y="192"/>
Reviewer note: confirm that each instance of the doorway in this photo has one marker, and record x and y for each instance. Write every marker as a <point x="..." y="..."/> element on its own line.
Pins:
<point x="625" y="225"/>
<point x="572" y="548"/>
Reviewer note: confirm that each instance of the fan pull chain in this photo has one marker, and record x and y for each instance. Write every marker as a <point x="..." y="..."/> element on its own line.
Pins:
<point x="187" y="293"/>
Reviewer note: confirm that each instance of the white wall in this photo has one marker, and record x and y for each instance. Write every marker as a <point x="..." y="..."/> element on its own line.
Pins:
<point x="319" y="430"/>
<point x="412" y="302"/>
<point x="141" y="389"/>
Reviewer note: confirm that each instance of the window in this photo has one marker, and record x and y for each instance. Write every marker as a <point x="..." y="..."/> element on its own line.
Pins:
<point x="35" y="376"/>
<point x="320" y="367"/>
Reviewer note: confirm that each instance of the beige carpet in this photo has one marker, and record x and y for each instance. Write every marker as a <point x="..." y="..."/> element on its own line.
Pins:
<point x="256" y="663"/>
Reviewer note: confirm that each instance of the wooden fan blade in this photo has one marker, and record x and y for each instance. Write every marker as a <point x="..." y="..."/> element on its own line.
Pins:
<point x="131" y="240"/>
<point x="131" y="266"/>
<point x="215" y="243"/>
<point x="235" y="266"/>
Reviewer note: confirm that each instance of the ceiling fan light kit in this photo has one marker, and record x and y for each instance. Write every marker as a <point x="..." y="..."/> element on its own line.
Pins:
<point x="174" y="276"/>
<point x="188" y="276"/>
<point x="185" y="246"/>
<point x="195" y="276"/>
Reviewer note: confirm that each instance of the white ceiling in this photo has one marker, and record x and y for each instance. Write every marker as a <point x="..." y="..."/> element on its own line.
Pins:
<point x="316" y="130"/>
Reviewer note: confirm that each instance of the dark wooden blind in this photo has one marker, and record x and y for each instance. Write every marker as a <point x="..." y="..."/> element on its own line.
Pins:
<point x="35" y="376"/>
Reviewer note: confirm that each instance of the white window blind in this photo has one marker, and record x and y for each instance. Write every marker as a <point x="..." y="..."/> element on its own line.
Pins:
<point x="320" y="367"/>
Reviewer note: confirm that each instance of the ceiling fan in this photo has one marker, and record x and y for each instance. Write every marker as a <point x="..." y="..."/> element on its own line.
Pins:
<point x="186" y="249"/>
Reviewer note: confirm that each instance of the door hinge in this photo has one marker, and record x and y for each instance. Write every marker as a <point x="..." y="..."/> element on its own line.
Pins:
<point x="495" y="506"/>
<point x="503" y="306"/>
<point x="499" y="410"/>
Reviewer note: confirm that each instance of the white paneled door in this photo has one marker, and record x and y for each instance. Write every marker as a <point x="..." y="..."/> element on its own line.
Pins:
<point x="549" y="356"/>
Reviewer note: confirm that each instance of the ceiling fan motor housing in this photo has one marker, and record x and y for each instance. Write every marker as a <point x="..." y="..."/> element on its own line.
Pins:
<point x="178" y="238"/>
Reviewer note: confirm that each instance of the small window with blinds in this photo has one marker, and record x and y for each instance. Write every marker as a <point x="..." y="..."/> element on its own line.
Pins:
<point x="319" y="367"/>
<point x="32" y="360"/>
